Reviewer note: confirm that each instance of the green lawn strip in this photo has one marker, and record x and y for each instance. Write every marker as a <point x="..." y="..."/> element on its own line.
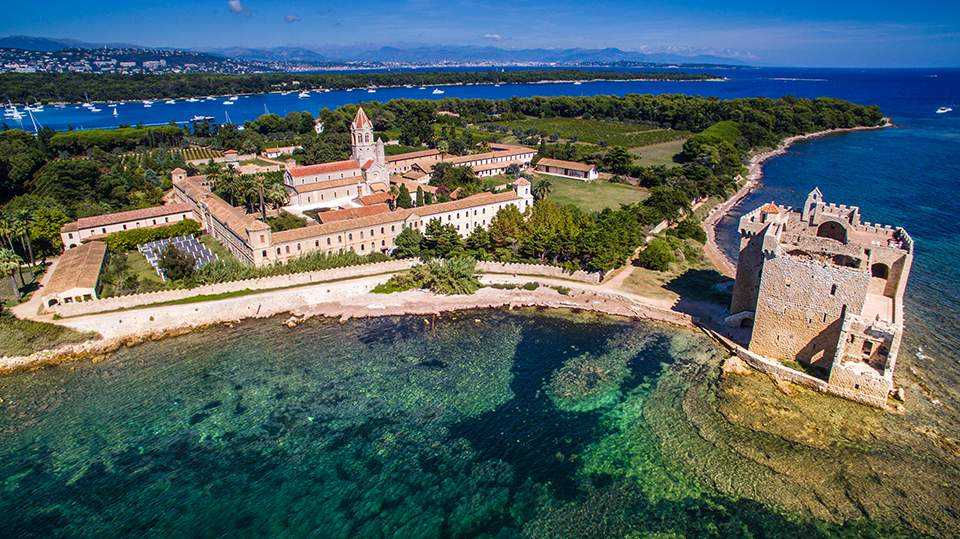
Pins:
<point x="534" y="276"/>
<point x="593" y="131"/>
<point x="216" y="247"/>
<point x="658" y="154"/>
<point x="592" y="196"/>
<point x="24" y="337"/>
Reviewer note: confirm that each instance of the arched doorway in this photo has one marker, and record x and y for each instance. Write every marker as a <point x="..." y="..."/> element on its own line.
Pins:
<point x="832" y="230"/>
<point x="880" y="271"/>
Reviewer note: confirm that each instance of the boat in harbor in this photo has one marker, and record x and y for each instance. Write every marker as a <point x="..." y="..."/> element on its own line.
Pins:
<point x="437" y="91"/>
<point x="94" y="109"/>
<point x="170" y="102"/>
<point x="228" y="102"/>
<point x="199" y="118"/>
<point x="193" y="100"/>
<point x="304" y="94"/>
<point x="943" y="110"/>
<point x="115" y="112"/>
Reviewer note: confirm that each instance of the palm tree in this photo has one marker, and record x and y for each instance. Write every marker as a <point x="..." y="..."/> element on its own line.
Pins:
<point x="278" y="195"/>
<point x="542" y="188"/>
<point x="230" y="179"/>
<point x="214" y="173"/>
<point x="259" y="180"/>
<point x="21" y="222"/>
<point x="10" y="262"/>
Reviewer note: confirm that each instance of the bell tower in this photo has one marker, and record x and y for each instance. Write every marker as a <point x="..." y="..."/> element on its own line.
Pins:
<point x="361" y="133"/>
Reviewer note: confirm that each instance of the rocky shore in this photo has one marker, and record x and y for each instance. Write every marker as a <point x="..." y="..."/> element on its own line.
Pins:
<point x="343" y="301"/>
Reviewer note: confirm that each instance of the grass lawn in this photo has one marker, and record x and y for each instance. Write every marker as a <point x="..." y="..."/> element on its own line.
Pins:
<point x="593" y="131"/>
<point x="258" y="162"/>
<point x="658" y="154"/>
<point x="592" y="196"/>
<point x="687" y="281"/>
<point x="24" y="337"/>
<point x="216" y="247"/>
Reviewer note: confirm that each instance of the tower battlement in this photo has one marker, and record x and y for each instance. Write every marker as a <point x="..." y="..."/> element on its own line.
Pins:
<point x="823" y="288"/>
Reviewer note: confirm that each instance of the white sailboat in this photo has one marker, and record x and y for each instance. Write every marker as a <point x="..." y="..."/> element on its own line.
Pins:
<point x="115" y="112"/>
<point x="437" y="91"/>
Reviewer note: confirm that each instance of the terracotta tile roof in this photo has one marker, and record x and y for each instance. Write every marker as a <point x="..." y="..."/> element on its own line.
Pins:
<point x="340" y="226"/>
<point x="571" y="165"/>
<point x="495" y="166"/>
<point x="413" y="155"/>
<point x="69" y="227"/>
<point x="340" y="182"/>
<point x="377" y="198"/>
<point x="361" y="120"/>
<point x="78" y="268"/>
<point x="133" y="215"/>
<point x="367" y="164"/>
<point x="352" y="213"/>
<point x="770" y="207"/>
<point x="412" y="186"/>
<point x="469" y="202"/>
<point x="229" y="151"/>
<point x="178" y="169"/>
<point x="522" y="181"/>
<point x="323" y="168"/>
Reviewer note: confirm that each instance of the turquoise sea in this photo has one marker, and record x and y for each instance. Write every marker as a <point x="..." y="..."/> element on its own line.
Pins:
<point x="525" y="423"/>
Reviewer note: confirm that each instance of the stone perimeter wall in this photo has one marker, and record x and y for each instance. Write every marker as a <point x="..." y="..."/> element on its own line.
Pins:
<point x="294" y="279"/>
<point x="537" y="269"/>
<point x="786" y="373"/>
<point x="265" y="283"/>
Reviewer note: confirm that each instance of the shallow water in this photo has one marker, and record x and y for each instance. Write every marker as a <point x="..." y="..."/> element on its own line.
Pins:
<point x="477" y="424"/>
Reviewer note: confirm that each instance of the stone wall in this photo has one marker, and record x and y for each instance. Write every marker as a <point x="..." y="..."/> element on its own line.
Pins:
<point x="776" y="369"/>
<point x="265" y="283"/>
<point x="800" y="309"/>
<point x="538" y="269"/>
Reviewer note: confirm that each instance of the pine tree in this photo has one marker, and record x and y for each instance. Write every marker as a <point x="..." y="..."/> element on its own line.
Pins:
<point x="403" y="199"/>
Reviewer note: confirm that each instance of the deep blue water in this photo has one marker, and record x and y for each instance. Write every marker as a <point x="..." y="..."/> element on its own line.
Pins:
<point x="897" y="91"/>
<point x="532" y="424"/>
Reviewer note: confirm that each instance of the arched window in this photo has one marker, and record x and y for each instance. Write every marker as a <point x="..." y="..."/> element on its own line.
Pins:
<point x="328" y="241"/>
<point x="879" y="270"/>
<point x="350" y="237"/>
<point x="278" y="250"/>
<point x="288" y="249"/>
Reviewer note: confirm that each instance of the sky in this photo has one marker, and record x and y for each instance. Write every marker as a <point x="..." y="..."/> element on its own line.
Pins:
<point x="814" y="33"/>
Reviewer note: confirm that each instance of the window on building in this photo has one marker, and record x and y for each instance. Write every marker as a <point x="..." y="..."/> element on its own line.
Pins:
<point x="298" y="247"/>
<point x="166" y="219"/>
<point x="363" y="246"/>
<point x="264" y="253"/>
<point x="393" y="228"/>
<point x="867" y="348"/>
<point x="278" y="250"/>
<point x="350" y="237"/>
<point x="328" y="241"/>
<point x="262" y="238"/>
<point x="288" y="249"/>
<point x="361" y="234"/>
<point x="383" y="243"/>
<point x="154" y="221"/>
<point x="124" y="227"/>
<point x="70" y="235"/>
<point x="381" y="230"/>
<point x="833" y="290"/>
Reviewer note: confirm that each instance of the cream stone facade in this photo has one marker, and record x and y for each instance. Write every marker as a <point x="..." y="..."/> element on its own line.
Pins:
<point x="88" y="228"/>
<point x="822" y="288"/>
<point x="253" y="243"/>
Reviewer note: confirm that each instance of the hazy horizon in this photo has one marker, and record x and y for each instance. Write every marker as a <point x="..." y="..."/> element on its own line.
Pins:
<point x="817" y="34"/>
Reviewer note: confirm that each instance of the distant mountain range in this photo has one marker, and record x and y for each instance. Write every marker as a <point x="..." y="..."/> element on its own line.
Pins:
<point x="410" y="54"/>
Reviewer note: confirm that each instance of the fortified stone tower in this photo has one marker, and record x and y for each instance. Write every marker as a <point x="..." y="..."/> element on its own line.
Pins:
<point x="821" y="288"/>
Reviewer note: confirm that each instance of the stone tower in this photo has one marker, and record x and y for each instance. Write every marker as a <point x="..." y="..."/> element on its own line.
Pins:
<point x="367" y="152"/>
<point x="824" y="289"/>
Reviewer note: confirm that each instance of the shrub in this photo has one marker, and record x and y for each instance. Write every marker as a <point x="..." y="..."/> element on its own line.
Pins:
<point x="127" y="240"/>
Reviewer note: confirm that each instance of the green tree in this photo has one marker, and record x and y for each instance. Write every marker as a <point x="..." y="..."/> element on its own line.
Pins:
<point x="176" y="264"/>
<point x="419" y="196"/>
<point x="657" y="256"/>
<point x="9" y="263"/>
<point x="46" y="229"/>
<point x="403" y="199"/>
<point x="409" y="242"/>
<point x="443" y="239"/>
<point x="541" y="189"/>
<point x="513" y="169"/>
<point x="618" y="160"/>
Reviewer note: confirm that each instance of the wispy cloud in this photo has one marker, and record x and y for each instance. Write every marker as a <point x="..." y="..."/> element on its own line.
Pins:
<point x="238" y="8"/>
<point x="291" y="18"/>
<point x="495" y="37"/>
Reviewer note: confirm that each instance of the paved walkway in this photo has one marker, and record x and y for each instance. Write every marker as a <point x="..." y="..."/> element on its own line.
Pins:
<point x="31" y="307"/>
